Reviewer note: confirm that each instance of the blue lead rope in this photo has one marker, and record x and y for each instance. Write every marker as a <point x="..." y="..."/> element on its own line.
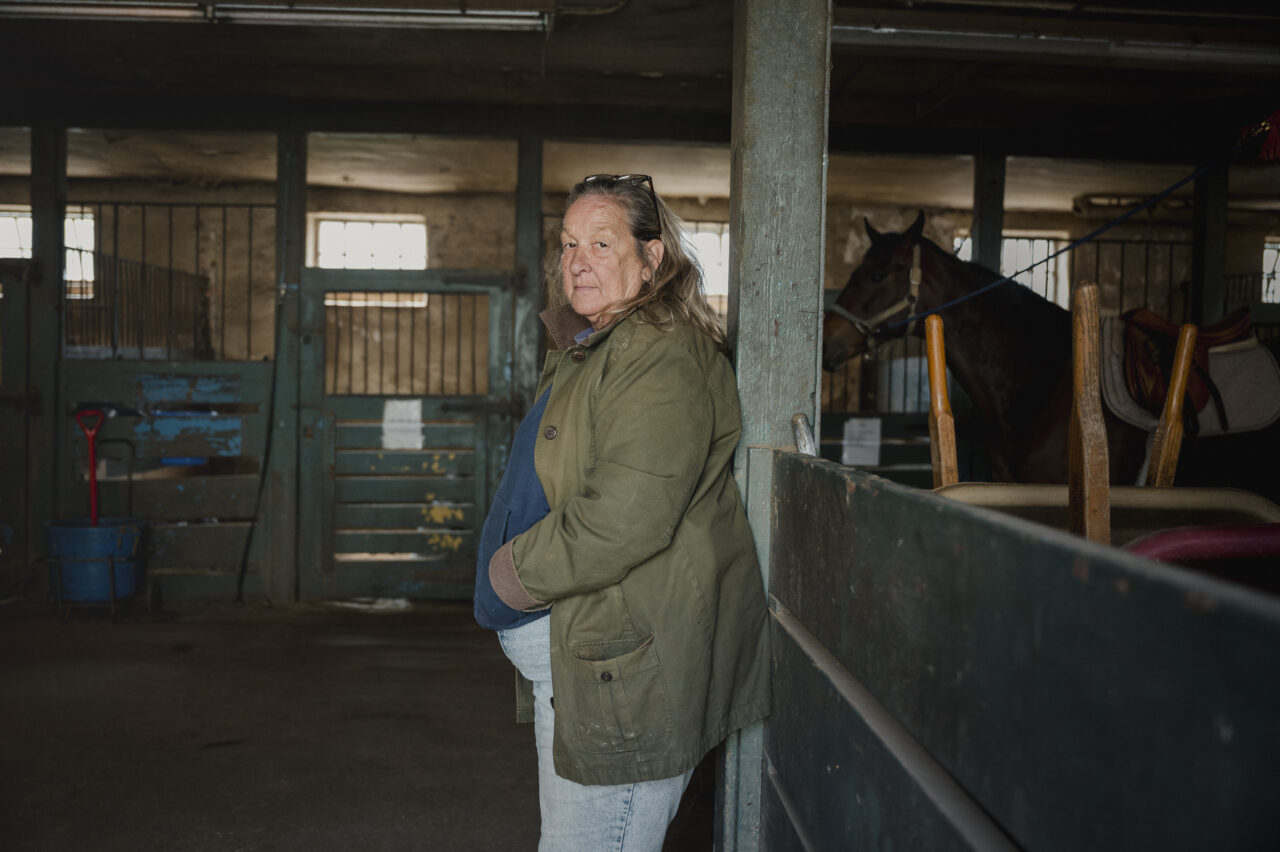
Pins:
<point x="1094" y="234"/>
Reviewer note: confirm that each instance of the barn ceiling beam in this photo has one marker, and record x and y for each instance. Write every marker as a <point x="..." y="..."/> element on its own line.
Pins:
<point x="1044" y="47"/>
<point x="579" y="123"/>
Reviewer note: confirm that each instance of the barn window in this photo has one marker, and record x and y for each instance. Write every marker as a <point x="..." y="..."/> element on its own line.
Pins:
<point x="711" y="248"/>
<point x="79" y="242"/>
<point x="1270" y="265"/>
<point x="15" y="242"/>
<point x="351" y="241"/>
<point x="1018" y="251"/>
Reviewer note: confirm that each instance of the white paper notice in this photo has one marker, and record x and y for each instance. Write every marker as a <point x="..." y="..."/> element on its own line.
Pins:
<point x="402" y="424"/>
<point x="861" y="442"/>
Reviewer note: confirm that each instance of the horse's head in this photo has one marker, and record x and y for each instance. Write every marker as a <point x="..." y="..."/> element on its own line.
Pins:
<point x="879" y="291"/>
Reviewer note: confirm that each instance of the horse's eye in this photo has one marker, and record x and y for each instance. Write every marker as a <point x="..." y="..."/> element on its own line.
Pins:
<point x="877" y="277"/>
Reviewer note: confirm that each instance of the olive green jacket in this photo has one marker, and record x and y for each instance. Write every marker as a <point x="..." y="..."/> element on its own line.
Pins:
<point x="659" y="643"/>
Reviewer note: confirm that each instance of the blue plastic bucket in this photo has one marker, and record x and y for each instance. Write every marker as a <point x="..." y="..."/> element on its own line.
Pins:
<point x="83" y="556"/>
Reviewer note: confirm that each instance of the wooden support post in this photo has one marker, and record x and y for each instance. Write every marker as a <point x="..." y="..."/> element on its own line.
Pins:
<point x="1089" y="487"/>
<point x="1208" y="247"/>
<point x="527" y="334"/>
<point x="47" y="461"/>
<point x="942" y="427"/>
<point x="781" y="76"/>
<point x="281" y="583"/>
<point x="988" y="209"/>
<point x="1167" y="440"/>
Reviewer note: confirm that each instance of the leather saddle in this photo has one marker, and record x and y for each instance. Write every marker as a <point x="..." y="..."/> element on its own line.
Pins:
<point x="1149" y="344"/>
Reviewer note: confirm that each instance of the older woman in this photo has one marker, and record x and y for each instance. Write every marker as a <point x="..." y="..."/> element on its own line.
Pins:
<point x="616" y="562"/>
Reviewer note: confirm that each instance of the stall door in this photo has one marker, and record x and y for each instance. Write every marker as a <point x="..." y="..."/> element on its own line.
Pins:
<point x="414" y="418"/>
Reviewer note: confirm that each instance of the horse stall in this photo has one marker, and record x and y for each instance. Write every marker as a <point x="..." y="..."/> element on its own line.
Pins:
<point x="950" y="677"/>
<point x="168" y="330"/>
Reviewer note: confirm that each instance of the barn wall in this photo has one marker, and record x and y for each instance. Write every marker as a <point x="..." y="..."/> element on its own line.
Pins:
<point x="478" y="231"/>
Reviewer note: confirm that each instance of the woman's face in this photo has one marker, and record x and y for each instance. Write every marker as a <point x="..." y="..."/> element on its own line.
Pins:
<point x="598" y="257"/>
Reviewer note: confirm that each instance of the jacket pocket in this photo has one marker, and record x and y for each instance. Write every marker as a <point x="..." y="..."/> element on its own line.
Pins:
<point x="619" y="701"/>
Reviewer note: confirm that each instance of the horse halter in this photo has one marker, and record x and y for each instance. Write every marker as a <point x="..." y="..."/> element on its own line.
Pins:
<point x="870" y="327"/>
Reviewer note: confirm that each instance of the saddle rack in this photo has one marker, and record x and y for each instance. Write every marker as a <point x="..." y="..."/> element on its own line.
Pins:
<point x="1089" y="505"/>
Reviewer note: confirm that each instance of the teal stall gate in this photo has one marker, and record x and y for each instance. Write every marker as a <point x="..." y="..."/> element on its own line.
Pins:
<point x="950" y="678"/>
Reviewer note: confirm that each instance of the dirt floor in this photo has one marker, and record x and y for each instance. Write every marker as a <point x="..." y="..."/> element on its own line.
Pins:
<point x="248" y="728"/>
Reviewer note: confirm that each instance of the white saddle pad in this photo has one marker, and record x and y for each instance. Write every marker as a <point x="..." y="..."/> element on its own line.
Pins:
<point x="1245" y="372"/>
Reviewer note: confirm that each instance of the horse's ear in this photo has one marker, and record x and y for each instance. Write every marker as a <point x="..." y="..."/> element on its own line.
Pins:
<point x="871" y="232"/>
<point x="917" y="228"/>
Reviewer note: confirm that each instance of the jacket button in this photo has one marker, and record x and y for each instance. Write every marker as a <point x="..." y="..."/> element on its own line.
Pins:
<point x="606" y="676"/>
<point x="578" y="356"/>
<point x="550" y="432"/>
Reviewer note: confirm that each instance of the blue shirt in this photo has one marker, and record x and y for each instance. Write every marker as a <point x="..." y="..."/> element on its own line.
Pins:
<point x="519" y="504"/>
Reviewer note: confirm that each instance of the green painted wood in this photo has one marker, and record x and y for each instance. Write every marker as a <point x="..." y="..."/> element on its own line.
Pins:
<point x="403" y="489"/>
<point x="328" y="491"/>
<point x="357" y="484"/>
<point x="406" y="462"/>
<point x="435" y="516"/>
<point x="183" y="409"/>
<point x="455" y="410"/>
<point x="496" y="426"/>
<point x="188" y="498"/>
<point x="196" y="435"/>
<point x="444" y="543"/>
<point x="778" y="189"/>
<point x="166" y="386"/>
<point x="1083" y="697"/>
<point x="778" y="832"/>
<point x="838" y="785"/>
<point x="280" y="521"/>
<point x="316" y="440"/>
<point x="213" y="410"/>
<point x="781" y="74"/>
<point x="16" y="548"/>
<point x="46" y="422"/>
<point x="349" y="440"/>
<point x="195" y="547"/>
<point x="435" y="436"/>
<point x="479" y="281"/>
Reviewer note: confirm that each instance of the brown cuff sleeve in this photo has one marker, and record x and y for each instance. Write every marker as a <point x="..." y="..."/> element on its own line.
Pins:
<point x="502" y="574"/>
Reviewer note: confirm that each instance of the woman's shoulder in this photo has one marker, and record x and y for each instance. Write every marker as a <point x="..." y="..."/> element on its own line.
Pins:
<point x="669" y="334"/>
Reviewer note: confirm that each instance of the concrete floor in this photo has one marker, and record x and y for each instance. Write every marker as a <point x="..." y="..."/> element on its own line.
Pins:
<point x="245" y="728"/>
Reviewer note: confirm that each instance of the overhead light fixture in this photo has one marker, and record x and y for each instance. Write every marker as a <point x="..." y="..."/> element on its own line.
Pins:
<point x="280" y="14"/>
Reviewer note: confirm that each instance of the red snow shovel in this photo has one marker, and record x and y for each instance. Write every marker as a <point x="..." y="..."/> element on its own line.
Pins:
<point x="91" y="432"/>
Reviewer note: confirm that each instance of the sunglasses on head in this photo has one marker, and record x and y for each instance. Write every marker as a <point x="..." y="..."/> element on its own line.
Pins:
<point x="633" y="180"/>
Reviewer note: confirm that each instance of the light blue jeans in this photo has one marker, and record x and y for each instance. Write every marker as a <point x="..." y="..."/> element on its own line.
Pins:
<point x="581" y="817"/>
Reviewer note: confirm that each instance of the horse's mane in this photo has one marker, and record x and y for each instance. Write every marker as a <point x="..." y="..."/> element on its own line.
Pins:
<point x="1010" y="297"/>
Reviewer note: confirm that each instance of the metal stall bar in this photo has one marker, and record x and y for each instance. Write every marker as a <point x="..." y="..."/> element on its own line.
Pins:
<point x="133" y="308"/>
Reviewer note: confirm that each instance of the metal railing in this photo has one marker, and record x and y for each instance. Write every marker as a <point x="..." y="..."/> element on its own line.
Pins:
<point x="131" y="310"/>
<point x="414" y="344"/>
<point x="230" y="247"/>
<point x="1154" y="274"/>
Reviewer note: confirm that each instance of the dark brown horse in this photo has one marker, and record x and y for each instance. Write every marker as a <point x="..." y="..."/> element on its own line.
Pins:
<point x="1010" y="349"/>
